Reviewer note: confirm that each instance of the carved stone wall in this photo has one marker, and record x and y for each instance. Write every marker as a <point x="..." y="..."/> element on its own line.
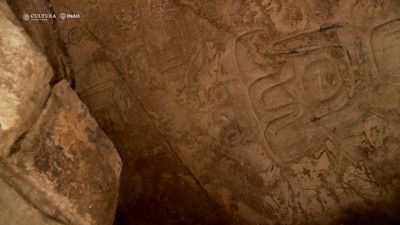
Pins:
<point x="241" y="111"/>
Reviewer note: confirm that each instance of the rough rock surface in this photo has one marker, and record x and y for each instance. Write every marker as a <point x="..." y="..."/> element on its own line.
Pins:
<point x="23" y="83"/>
<point x="65" y="164"/>
<point x="15" y="210"/>
<point x="259" y="111"/>
<point x="52" y="152"/>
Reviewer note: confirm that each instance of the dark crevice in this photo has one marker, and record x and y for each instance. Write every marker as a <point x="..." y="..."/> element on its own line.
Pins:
<point x="64" y="69"/>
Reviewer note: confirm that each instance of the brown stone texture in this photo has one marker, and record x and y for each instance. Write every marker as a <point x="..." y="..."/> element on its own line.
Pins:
<point x="55" y="161"/>
<point x="23" y="83"/>
<point x="65" y="164"/>
<point x="241" y="111"/>
<point x="15" y="210"/>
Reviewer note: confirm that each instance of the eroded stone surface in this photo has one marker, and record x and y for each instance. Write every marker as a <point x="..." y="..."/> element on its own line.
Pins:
<point x="52" y="152"/>
<point x="23" y="83"/>
<point x="16" y="210"/>
<point x="66" y="164"/>
<point x="282" y="112"/>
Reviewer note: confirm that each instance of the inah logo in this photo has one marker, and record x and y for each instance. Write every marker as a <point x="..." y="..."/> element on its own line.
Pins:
<point x="63" y="16"/>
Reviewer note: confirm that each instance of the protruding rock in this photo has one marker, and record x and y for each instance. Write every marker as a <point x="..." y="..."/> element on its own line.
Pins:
<point x="52" y="152"/>
<point x="65" y="164"/>
<point x="24" y="78"/>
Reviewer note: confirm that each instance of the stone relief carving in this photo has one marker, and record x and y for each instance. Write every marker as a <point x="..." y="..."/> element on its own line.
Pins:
<point x="257" y="111"/>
